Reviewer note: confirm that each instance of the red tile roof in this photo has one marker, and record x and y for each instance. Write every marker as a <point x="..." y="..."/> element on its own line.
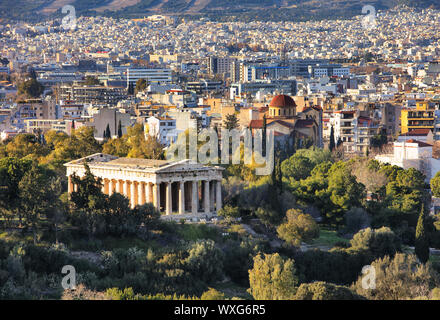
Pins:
<point x="256" y="124"/>
<point x="420" y="143"/>
<point x="282" y="101"/>
<point x="417" y="132"/>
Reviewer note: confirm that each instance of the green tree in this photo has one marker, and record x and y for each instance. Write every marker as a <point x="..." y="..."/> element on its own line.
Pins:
<point x="435" y="185"/>
<point x="135" y="144"/>
<point x="88" y="200"/>
<point x="229" y="211"/>
<point x="141" y="85"/>
<point x="107" y="132"/>
<point x="297" y="167"/>
<point x="421" y="241"/>
<point x="345" y="192"/>
<point x="272" y="278"/>
<point x="30" y="88"/>
<point x="12" y="170"/>
<point x="331" y="145"/>
<point x="205" y="261"/>
<point x="38" y="195"/>
<point x="91" y="81"/>
<point x="298" y="227"/>
<point x="119" y="129"/>
<point x="379" y="242"/>
<point x="26" y="145"/>
<point x="231" y="121"/>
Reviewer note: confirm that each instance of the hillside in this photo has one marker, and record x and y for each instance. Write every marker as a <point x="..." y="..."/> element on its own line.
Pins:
<point x="296" y="10"/>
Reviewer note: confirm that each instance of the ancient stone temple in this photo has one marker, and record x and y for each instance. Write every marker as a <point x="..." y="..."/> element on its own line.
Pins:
<point x="182" y="187"/>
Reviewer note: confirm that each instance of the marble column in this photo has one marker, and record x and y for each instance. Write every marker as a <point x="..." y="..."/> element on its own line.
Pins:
<point x="218" y="198"/>
<point x="104" y="186"/>
<point x="195" y="198"/>
<point x="148" y="193"/>
<point x="212" y="185"/>
<point x="110" y="187"/>
<point x="156" y="195"/>
<point x="141" y="194"/>
<point x="181" y="197"/>
<point x="118" y="186"/>
<point x="125" y="188"/>
<point x="132" y="195"/>
<point x="206" y="203"/>
<point x="169" y="201"/>
<point x="69" y="184"/>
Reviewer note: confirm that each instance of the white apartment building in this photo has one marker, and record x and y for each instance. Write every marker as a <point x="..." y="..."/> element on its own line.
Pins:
<point x="355" y="131"/>
<point x="413" y="154"/>
<point x="163" y="129"/>
<point x="155" y="76"/>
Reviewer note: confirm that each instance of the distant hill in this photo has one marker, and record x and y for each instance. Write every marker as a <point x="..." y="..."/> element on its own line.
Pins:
<point x="275" y="10"/>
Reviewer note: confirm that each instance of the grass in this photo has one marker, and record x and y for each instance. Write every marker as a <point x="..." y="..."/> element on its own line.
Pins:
<point x="111" y="243"/>
<point x="328" y="238"/>
<point x="193" y="232"/>
<point x="230" y="289"/>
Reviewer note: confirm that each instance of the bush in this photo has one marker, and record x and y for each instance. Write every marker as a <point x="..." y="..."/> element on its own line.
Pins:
<point x="298" y="227"/>
<point x="213" y="294"/>
<point x="379" y="242"/>
<point x="324" y="291"/>
<point x="399" y="278"/>
<point x="356" y="219"/>
<point x="272" y="278"/>
<point x="339" y="266"/>
<point x="205" y="261"/>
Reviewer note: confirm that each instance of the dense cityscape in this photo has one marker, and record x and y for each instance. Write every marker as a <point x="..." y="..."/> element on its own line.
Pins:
<point x="342" y="115"/>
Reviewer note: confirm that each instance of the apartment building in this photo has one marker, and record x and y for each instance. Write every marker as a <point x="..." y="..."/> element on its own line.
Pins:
<point x="420" y="117"/>
<point x="151" y="75"/>
<point x="100" y="95"/>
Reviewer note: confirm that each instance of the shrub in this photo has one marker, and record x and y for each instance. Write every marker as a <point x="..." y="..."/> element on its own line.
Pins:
<point x="324" y="291"/>
<point x="298" y="227"/>
<point x="356" y="219"/>
<point x="379" y="242"/>
<point x="272" y="278"/>
<point x="399" y="278"/>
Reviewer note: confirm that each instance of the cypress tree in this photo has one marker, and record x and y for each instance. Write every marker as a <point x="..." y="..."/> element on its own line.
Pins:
<point x="130" y="89"/>
<point x="421" y="242"/>
<point x="107" y="132"/>
<point x="332" y="139"/>
<point x="264" y="136"/>
<point x="119" y="129"/>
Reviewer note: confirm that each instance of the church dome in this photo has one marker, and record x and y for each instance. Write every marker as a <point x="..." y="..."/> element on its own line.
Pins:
<point x="282" y="106"/>
<point x="282" y="101"/>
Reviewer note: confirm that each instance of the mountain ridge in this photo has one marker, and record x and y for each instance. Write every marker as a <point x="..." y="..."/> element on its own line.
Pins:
<point x="31" y="10"/>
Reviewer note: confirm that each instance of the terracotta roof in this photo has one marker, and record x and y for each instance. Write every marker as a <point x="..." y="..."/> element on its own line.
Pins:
<point x="256" y="124"/>
<point x="420" y="143"/>
<point x="417" y="132"/>
<point x="282" y="101"/>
